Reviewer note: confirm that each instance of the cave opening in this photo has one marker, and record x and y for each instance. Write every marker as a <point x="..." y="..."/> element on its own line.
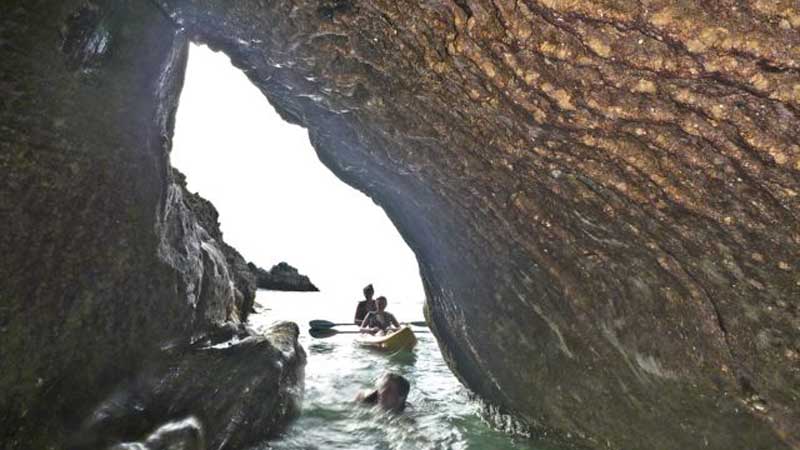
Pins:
<point x="277" y="202"/>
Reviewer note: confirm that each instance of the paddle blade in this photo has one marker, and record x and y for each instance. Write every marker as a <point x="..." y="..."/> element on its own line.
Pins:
<point x="421" y="323"/>
<point x="321" y="324"/>
<point x="321" y="333"/>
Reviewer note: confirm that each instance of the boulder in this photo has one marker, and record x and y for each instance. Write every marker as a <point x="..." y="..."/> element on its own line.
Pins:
<point x="238" y="392"/>
<point x="186" y="434"/>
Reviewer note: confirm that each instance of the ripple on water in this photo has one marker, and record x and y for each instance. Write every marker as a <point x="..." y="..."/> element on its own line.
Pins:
<point x="440" y="415"/>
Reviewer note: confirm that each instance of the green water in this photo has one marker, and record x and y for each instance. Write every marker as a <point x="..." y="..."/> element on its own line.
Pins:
<point x="440" y="414"/>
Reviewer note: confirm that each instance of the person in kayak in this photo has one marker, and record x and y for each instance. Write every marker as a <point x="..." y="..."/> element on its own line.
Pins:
<point x="390" y="393"/>
<point x="379" y="321"/>
<point x="365" y="306"/>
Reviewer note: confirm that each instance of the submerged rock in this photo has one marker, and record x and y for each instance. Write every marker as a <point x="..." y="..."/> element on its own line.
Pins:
<point x="282" y="277"/>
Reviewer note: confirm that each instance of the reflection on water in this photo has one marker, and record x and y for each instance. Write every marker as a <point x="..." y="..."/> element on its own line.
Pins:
<point x="440" y="415"/>
<point x="320" y="348"/>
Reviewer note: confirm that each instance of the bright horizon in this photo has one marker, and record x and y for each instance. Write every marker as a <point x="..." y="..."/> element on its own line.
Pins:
<point x="276" y="200"/>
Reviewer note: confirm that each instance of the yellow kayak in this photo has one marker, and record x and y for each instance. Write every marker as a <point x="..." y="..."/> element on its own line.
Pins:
<point x="402" y="339"/>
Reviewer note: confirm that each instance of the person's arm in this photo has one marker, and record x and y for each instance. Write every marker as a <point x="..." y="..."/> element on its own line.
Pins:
<point x="368" y="397"/>
<point x="364" y="327"/>
<point x="360" y="313"/>
<point x="393" y="321"/>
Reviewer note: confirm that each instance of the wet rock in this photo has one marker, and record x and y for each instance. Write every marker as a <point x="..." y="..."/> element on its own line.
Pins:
<point x="237" y="392"/>
<point x="282" y="277"/>
<point x="186" y="434"/>
<point x="108" y="262"/>
<point x="86" y="36"/>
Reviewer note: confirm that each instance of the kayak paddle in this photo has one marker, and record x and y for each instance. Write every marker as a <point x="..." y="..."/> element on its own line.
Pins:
<point x="320" y="324"/>
<point x="325" y="324"/>
<point x="327" y="332"/>
<point x="321" y="333"/>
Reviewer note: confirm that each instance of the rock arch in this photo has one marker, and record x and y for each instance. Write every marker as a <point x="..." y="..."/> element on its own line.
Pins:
<point x="602" y="195"/>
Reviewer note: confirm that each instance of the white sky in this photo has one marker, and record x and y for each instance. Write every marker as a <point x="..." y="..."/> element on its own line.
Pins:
<point x="276" y="200"/>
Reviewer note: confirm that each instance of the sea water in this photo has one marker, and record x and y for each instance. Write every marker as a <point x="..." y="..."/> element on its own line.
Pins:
<point x="440" y="414"/>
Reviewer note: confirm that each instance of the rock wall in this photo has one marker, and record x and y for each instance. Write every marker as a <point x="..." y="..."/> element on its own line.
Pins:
<point x="602" y="195"/>
<point x="105" y="271"/>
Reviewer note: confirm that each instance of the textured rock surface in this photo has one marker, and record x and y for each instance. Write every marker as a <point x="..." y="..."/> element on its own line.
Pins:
<point x="186" y="434"/>
<point x="244" y="280"/>
<point x="282" y="277"/>
<point x="237" y="392"/>
<point x="103" y="263"/>
<point x="603" y="195"/>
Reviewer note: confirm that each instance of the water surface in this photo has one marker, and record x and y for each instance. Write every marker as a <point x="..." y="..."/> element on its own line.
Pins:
<point x="440" y="414"/>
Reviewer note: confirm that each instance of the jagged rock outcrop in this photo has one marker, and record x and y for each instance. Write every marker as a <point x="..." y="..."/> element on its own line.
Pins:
<point x="244" y="280"/>
<point x="106" y="270"/>
<point x="602" y="196"/>
<point x="247" y="277"/>
<point x="282" y="277"/>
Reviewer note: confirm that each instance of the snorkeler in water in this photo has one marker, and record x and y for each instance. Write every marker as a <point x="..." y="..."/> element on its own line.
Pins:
<point x="390" y="393"/>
